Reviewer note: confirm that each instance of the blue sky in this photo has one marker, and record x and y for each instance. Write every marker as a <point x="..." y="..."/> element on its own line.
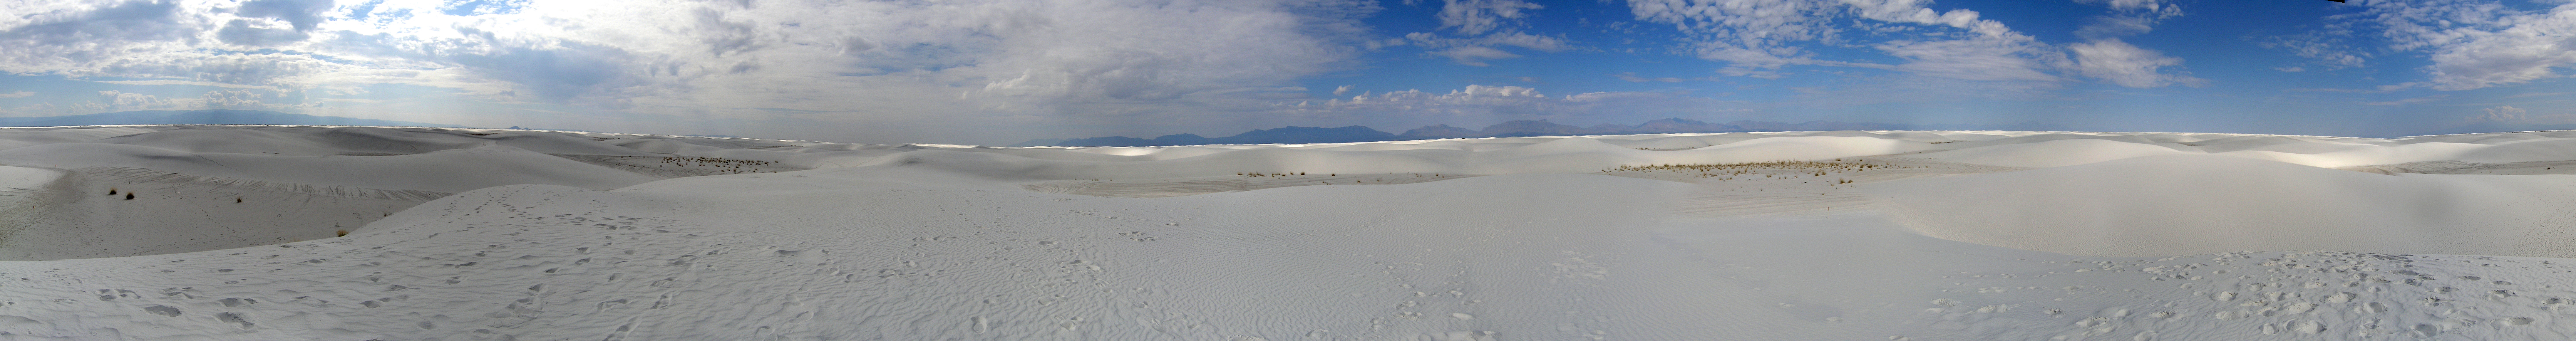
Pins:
<point x="998" y="72"/>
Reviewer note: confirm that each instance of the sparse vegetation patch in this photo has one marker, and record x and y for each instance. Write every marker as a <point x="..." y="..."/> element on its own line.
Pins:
<point x="1766" y="169"/>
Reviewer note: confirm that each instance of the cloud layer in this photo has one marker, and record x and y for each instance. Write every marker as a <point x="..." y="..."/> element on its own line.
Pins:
<point x="1758" y="38"/>
<point x="718" y="58"/>
<point x="931" y="70"/>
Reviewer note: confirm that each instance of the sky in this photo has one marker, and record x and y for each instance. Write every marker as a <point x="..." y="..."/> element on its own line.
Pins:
<point x="1000" y="72"/>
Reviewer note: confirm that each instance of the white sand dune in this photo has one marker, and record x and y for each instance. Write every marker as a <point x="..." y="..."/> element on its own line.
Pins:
<point x="2051" y="153"/>
<point x="2185" y="204"/>
<point x="1848" y="235"/>
<point x="450" y="170"/>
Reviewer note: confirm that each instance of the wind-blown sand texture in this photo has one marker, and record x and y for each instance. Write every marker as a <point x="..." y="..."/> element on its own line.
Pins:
<point x="231" y="233"/>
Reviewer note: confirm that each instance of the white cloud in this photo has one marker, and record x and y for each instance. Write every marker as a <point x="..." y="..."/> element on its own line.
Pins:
<point x="1757" y="38"/>
<point x="1988" y="59"/>
<point x="1473" y="17"/>
<point x="122" y="101"/>
<point x="17" y="94"/>
<point x="194" y="83"/>
<point x="2410" y="100"/>
<point x="853" y="60"/>
<point x="1505" y="91"/>
<point x="2512" y="115"/>
<point x="1524" y="40"/>
<point x="1632" y="77"/>
<point x="1492" y="104"/>
<point x="112" y="101"/>
<point x="1750" y="33"/>
<point x="2480" y="44"/>
<point x="1472" y="94"/>
<point x="2104" y="56"/>
<point x="1742" y="71"/>
<point x="2289" y="69"/>
<point x="2129" y="5"/>
<point x="1473" y="55"/>
<point x="2116" y="26"/>
<point x="2127" y="65"/>
<point x="38" y="109"/>
<point x="2507" y="114"/>
<point x="1489" y="97"/>
<point x="1486" y="24"/>
<point x="2330" y="46"/>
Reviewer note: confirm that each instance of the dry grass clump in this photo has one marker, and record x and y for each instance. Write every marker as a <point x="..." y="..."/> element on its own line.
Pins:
<point x="722" y="165"/>
<point x="1750" y="167"/>
<point x="1766" y="169"/>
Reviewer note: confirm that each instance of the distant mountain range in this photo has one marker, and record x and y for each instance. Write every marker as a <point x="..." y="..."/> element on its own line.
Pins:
<point x="2492" y="127"/>
<point x="203" y="117"/>
<point x="1296" y="135"/>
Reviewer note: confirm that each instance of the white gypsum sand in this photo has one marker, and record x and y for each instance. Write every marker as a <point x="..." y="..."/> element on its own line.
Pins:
<point x="484" y="234"/>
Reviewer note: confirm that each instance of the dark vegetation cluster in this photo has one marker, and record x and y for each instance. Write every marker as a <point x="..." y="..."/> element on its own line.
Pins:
<point x="724" y="165"/>
<point x="1729" y="171"/>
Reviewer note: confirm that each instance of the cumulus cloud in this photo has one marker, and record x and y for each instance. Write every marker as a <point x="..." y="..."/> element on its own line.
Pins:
<point x="1473" y="17"/>
<point x="1632" y="77"/>
<point x="715" y="59"/>
<point x="1769" y="34"/>
<point x="117" y="100"/>
<point x="1473" y="55"/>
<point x="2127" y="17"/>
<point x="111" y="100"/>
<point x="1481" y="26"/>
<point x="2130" y="5"/>
<point x="2511" y="115"/>
<point x="2479" y="44"/>
<point x="297" y="17"/>
<point x="1757" y="38"/>
<point x="2127" y="65"/>
<point x="2410" y="100"/>
<point x="1492" y="104"/>
<point x="1473" y="100"/>
<point x="1471" y="94"/>
<point x="121" y="22"/>
<point x="240" y="32"/>
<point x="2104" y="56"/>
<point x="1750" y="33"/>
<point x="1990" y="59"/>
<point x="2116" y="26"/>
<point x="302" y="15"/>
<point x="2507" y="113"/>
<point x="17" y="94"/>
<point x="2332" y="46"/>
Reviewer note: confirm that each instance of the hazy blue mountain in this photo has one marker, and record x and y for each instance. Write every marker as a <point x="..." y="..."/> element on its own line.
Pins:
<point x="1442" y="131"/>
<point x="1123" y="141"/>
<point x="2489" y="127"/>
<point x="1532" y="128"/>
<point x="1307" y="135"/>
<point x="1284" y="135"/>
<point x="1295" y="135"/>
<point x="203" y="117"/>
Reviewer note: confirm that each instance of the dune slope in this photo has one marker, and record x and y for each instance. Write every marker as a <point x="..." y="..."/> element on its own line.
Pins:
<point x="464" y="234"/>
